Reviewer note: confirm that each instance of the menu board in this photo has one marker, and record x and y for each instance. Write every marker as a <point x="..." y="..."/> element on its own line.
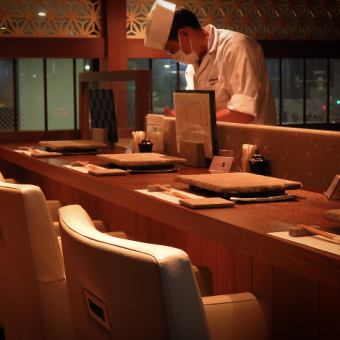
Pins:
<point x="196" y="120"/>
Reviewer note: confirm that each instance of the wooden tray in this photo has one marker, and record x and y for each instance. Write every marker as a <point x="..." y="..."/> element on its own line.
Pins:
<point x="238" y="183"/>
<point x="146" y="159"/>
<point x="72" y="144"/>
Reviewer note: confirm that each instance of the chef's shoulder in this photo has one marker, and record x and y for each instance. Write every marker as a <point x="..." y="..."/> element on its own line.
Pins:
<point x="232" y="42"/>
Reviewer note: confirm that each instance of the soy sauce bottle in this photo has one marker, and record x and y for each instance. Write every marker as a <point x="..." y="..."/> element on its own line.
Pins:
<point x="145" y="145"/>
<point x="258" y="165"/>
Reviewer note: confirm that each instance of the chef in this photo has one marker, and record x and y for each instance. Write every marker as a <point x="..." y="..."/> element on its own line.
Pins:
<point x="228" y="62"/>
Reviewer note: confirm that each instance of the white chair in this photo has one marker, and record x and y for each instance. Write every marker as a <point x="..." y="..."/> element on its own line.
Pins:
<point x="33" y="291"/>
<point x="123" y="289"/>
<point x="53" y="207"/>
<point x="7" y="180"/>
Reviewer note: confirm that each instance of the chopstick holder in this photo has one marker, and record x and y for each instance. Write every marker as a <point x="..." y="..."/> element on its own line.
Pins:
<point x="335" y="238"/>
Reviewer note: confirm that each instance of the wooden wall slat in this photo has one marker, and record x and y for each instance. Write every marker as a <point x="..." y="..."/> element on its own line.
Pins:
<point x="300" y="322"/>
<point x="225" y="274"/>
<point x="329" y="310"/>
<point x="243" y="272"/>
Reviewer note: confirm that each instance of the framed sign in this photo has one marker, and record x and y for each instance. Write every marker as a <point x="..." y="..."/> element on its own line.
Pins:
<point x="196" y="120"/>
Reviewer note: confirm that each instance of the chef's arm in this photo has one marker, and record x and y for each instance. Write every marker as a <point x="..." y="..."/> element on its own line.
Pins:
<point x="227" y="115"/>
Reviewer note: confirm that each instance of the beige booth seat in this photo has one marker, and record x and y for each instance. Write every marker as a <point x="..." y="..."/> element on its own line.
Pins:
<point x="33" y="294"/>
<point x="123" y="289"/>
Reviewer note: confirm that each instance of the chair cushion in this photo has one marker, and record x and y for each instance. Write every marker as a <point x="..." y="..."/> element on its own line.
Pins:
<point x="235" y="316"/>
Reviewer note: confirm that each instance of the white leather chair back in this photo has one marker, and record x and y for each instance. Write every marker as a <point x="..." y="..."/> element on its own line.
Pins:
<point x="33" y="286"/>
<point x="123" y="289"/>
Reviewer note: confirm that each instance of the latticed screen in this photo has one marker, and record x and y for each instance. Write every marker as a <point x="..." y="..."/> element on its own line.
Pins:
<point x="316" y="91"/>
<point x="7" y="121"/>
<point x="284" y="19"/>
<point x="38" y="94"/>
<point x="134" y="64"/>
<point x="292" y="91"/>
<point x="164" y="81"/>
<point x="273" y="67"/>
<point x="334" y="91"/>
<point x="60" y="94"/>
<point x="305" y="91"/>
<point x="57" y="18"/>
<point x="30" y="94"/>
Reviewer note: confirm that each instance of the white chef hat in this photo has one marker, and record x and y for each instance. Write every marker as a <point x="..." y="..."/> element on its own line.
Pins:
<point x="158" y="24"/>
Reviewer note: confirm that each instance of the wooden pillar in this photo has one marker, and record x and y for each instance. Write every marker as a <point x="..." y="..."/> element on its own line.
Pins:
<point x="114" y="14"/>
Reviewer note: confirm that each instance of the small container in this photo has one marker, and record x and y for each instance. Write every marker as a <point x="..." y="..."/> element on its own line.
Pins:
<point x="258" y="165"/>
<point x="145" y="146"/>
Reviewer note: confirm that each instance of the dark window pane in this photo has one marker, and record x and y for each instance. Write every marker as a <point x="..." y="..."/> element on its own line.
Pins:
<point x="138" y="64"/>
<point x="31" y="94"/>
<point x="316" y="91"/>
<point x="164" y="83"/>
<point x="292" y="91"/>
<point x="60" y="94"/>
<point x="134" y="64"/>
<point x="273" y="67"/>
<point x="182" y="81"/>
<point x="6" y="95"/>
<point x="334" y="98"/>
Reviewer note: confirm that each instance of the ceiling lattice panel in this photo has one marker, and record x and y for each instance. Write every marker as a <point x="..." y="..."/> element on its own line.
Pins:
<point x="266" y="19"/>
<point x="50" y="18"/>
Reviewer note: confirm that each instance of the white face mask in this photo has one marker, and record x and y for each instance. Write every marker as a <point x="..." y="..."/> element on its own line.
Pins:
<point x="181" y="57"/>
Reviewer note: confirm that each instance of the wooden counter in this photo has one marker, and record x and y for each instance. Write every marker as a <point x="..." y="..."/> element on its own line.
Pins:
<point x="299" y="284"/>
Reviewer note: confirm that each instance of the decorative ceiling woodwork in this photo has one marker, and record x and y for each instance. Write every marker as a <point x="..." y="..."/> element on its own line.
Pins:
<point x="51" y="18"/>
<point x="262" y="19"/>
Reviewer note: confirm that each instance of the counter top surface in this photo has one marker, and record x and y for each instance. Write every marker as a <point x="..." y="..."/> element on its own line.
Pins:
<point x="244" y="226"/>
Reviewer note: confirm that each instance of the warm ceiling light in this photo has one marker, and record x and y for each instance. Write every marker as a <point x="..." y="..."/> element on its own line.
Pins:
<point x="42" y="14"/>
<point x="3" y="28"/>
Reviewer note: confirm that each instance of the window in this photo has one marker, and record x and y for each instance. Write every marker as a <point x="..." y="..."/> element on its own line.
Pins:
<point x="60" y="96"/>
<point x="306" y="91"/>
<point x="40" y="94"/>
<point x="7" y="89"/>
<point x="30" y="94"/>
<point x="334" y="91"/>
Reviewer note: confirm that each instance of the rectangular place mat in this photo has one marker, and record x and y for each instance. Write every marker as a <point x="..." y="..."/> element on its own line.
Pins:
<point x="37" y="152"/>
<point x="317" y="242"/>
<point x="206" y="202"/>
<point x="96" y="170"/>
<point x="238" y="182"/>
<point x="140" y="159"/>
<point x="166" y="197"/>
<point x="193" y="201"/>
<point x="71" y="144"/>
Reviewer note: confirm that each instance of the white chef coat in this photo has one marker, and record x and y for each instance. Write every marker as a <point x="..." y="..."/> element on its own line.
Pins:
<point x="234" y="67"/>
